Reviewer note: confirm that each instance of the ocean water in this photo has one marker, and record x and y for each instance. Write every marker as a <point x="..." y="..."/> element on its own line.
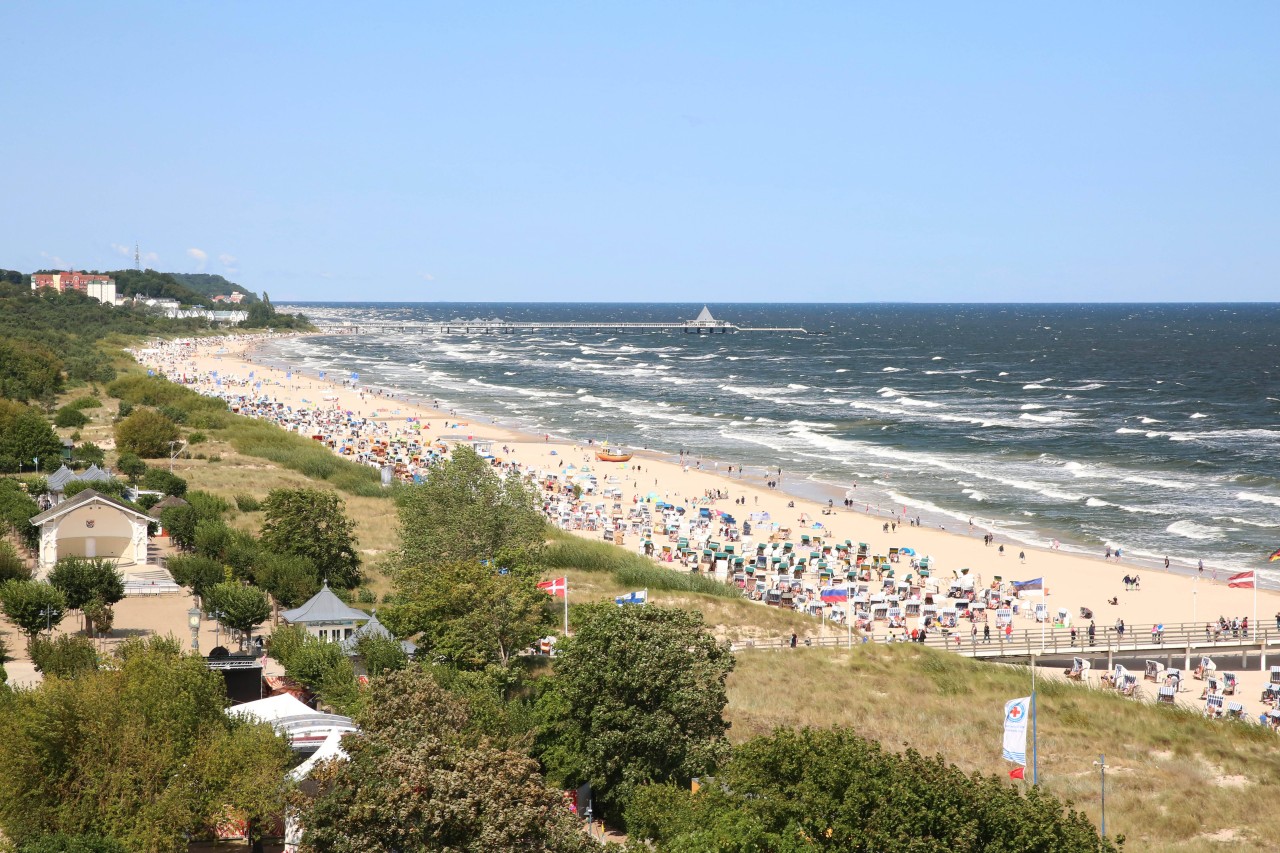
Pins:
<point x="1149" y="427"/>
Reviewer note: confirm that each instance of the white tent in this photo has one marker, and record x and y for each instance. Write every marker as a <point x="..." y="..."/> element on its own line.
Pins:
<point x="331" y="748"/>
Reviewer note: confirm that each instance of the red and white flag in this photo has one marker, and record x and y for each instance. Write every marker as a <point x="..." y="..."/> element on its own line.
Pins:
<point x="1244" y="580"/>
<point x="555" y="586"/>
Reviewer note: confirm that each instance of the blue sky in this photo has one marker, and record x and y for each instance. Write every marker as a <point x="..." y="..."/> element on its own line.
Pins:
<point x="649" y="151"/>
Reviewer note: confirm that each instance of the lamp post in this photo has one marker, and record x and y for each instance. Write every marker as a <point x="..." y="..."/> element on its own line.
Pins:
<point x="193" y="621"/>
<point x="47" y="613"/>
<point x="1101" y="764"/>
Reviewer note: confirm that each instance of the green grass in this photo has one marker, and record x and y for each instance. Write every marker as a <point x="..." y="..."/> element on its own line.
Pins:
<point x="567" y="551"/>
<point x="304" y="455"/>
<point x="1168" y="785"/>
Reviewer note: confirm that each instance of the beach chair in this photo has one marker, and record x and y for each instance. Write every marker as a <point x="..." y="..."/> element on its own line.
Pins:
<point x="1079" y="669"/>
<point x="1206" y="666"/>
<point x="1153" y="670"/>
<point x="1213" y="706"/>
<point x="1275" y="675"/>
<point x="1229" y="684"/>
<point x="1235" y="711"/>
<point x="1129" y="686"/>
<point x="1165" y="696"/>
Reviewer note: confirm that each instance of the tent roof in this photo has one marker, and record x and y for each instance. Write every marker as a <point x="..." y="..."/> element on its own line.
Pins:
<point x="79" y="500"/>
<point x="272" y="708"/>
<point x="60" y="478"/>
<point x="705" y="316"/>
<point x="331" y="748"/>
<point x="324" y="606"/>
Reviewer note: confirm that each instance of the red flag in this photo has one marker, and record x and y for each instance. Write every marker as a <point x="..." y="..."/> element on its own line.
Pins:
<point x="1244" y="580"/>
<point x="555" y="586"/>
<point x="1274" y="556"/>
<point x="1016" y="773"/>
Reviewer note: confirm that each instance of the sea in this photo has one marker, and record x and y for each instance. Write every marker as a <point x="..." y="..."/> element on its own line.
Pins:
<point x="1149" y="428"/>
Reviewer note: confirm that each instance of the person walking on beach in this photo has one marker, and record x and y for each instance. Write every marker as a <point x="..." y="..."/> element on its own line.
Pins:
<point x="1092" y="631"/>
<point x="986" y="630"/>
<point x="1022" y="556"/>
<point x="1001" y="550"/>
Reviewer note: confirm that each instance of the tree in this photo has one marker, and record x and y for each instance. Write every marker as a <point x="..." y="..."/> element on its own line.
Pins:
<point x="160" y="480"/>
<point x="147" y="433"/>
<point x="180" y="523"/>
<point x="469" y="614"/>
<point x="464" y="513"/>
<point x="312" y="523"/>
<point x="419" y="778"/>
<point x="290" y="578"/>
<point x="243" y="608"/>
<point x="132" y="467"/>
<point x="196" y="573"/>
<point x="380" y="654"/>
<point x="90" y="453"/>
<point x="63" y="843"/>
<point x="33" y="606"/>
<point x="84" y="581"/>
<point x="12" y="566"/>
<point x="831" y="790"/>
<point x="28" y="371"/>
<point x="16" y="511"/>
<point x="637" y="697"/>
<point x="25" y="435"/>
<point x="70" y="418"/>
<point x="64" y="656"/>
<point x="140" y="752"/>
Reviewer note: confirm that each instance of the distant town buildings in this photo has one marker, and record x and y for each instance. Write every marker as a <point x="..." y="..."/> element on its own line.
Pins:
<point x="231" y="298"/>
<point x="93" y="285"/>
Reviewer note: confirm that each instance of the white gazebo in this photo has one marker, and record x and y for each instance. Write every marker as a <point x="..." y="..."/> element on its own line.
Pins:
<point x="92" y="524"/>
<point x="326" y="616"/>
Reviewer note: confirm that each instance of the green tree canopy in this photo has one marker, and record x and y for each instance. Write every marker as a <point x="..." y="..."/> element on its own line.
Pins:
<point x="16" y="511"/>
<point x="28" y="370"/>
<point x="313" y="523"/>
<point x="64" y="656"/>
<point x="33" y="606"/>
<point x="464" y="513"/>
<point x="196" y="573"/>
<point x="140" y="752"/>
<point x="469" y="614"/>
<point x="243" y="608"/>
<point x="12" y="566"/>
<point x="831" y="790"/>
<point x="84" y="581"/>
<point x="290" y="578"/>
<point x="146" y="433"/>
<point x="418" y="778"/>
<point x="637" y="697"/>
<point x="26" y="435"/>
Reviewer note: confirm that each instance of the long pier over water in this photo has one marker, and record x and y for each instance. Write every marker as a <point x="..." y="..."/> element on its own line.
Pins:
<point x="705" y="324"/>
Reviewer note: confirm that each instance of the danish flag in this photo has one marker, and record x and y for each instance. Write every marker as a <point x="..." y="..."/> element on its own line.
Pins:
<point x="555" y="586"/>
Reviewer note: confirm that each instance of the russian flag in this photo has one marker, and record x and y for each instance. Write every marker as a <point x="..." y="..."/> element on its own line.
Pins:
<point x="835" y="593"/>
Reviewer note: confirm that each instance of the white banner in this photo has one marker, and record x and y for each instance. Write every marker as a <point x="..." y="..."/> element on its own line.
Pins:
<point x="1016" y="712"/>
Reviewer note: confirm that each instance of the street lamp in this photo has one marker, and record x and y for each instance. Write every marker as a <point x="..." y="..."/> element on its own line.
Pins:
<point x="1101" y="764"/>
<point x="193" y="621"/>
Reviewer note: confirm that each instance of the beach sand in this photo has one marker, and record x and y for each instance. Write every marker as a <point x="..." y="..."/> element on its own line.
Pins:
<point x="1071" y="580"/>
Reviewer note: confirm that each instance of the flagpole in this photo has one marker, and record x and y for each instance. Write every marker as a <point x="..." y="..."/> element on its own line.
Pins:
<point x="566" y="606"/>
<point x="1035" y="754"/>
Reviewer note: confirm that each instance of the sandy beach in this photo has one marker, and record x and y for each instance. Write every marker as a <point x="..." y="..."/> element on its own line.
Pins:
<point x="1070" y="580"/>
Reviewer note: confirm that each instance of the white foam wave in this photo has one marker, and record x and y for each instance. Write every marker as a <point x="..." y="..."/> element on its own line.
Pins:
<point x="1191" y="530"/>
<point x="1097" y="502"/>
<point x="1197" y="415"/>
<point x="892" y="369"/>
<point x="1254" y="497"/>
<point x="1030" y="407"/>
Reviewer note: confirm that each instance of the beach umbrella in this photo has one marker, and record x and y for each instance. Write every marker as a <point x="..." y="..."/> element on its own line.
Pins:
<point x="910" y="552"/>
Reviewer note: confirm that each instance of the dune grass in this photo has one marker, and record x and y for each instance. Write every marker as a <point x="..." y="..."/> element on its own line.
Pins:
<point x="568" y="551"/>
<point x="304" y="455"/>
<point x="1175" y="780"/>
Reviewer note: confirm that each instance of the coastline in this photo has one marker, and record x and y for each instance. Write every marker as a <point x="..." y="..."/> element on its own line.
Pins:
<point x="1072" y="579"/>
<point x="815" y="491"/>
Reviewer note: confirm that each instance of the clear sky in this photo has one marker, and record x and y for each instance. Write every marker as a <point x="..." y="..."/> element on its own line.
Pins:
<point x="690" y="151"/>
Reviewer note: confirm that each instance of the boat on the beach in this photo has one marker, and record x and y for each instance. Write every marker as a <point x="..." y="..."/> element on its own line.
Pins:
<point x="613" y="454"/>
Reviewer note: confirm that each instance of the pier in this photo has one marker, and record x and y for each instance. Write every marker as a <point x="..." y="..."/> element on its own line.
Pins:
<point x="703" y="324"/>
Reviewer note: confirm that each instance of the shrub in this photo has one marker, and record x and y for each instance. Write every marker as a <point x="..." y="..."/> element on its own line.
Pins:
<point x="197" y="438"/>
<point x="160" y="480"/>
<point x="367" y="596"/>
<point x="66" y="656"/>
<point x="248" y="503"/>
<point x="12" y="566"/>
<point x="85" y="403"/>
<point x="147" y="433"/>
<point x="69" y="417"/>
<point x="131" y="466"/>
<point x="126" y="409"/>
<point x="90" y="453"/>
